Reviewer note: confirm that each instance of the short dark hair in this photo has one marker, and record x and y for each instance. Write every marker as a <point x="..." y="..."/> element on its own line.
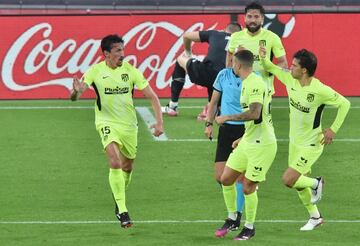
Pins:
<point x="255" y="5"/>
<point x="307" y="60"/>
<point x="233" y="27"/>
<point x="245" y="57"/>
<point x="108" y="41"/>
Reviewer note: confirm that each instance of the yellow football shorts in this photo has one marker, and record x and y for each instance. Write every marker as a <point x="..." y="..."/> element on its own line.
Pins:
<point x="302" y="158"/>
<point x="126" y="139"/>
<point x="252" y="159"/>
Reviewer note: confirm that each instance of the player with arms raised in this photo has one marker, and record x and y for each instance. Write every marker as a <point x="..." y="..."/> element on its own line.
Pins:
<point x="307" y="98"/>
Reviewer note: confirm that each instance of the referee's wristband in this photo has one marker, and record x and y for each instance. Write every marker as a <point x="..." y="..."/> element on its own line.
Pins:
<point x="208" y="123"/>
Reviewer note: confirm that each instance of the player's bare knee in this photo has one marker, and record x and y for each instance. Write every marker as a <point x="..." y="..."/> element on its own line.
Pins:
<point x="218" y="170"/>
<point x="126" y="165"/>
<point x="115" y="165"/>
<point x="249" y="186"/>
<point x="218" y="177"/>
<point x="247" y="190"/>
<point x="114" y="162"/>
<point x="226" y="180"/>
<point x="127" y="169"/>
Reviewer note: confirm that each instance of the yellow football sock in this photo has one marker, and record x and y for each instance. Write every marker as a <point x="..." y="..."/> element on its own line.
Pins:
<point x="304" y="182"/>
<point x="305" y="197"/>
<point x="127" y="178"/>
<point x="229" y="193"/>
<point x="251" y="203"/>
<point x="117" y="184"/>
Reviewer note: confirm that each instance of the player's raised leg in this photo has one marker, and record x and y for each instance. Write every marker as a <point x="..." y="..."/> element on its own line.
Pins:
<point x="309" y="189"/>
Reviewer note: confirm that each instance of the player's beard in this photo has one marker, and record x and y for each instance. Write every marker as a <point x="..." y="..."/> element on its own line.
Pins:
<point x="120" y="62"/>
<point x="253" y="29"/>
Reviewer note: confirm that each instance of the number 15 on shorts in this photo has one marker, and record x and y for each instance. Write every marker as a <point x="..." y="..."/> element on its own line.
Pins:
<point x="105" y="131"/>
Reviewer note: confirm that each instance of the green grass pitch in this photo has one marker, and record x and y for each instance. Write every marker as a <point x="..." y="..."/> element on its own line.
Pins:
<point x="54" y="182"/>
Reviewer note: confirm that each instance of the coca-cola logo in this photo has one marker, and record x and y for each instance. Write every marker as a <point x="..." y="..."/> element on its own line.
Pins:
<point x="50" y="55"/>
<point x="45" y="54"/>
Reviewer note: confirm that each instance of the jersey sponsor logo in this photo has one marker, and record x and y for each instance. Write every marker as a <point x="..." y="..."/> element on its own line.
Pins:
<point x="116" y="90"/>
<point x="298" y="106"/>
<point x="125" y="77"/>
<point x="310" y="97"/>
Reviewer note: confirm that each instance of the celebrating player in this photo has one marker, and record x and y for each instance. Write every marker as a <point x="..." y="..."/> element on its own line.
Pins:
<point x="307" y="98"/>
<point x="115" y="118"/>
<point x="256" y="150"/>
<point x="254" y="36"/>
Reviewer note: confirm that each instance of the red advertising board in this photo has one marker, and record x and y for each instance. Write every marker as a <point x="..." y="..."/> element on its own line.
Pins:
<point x="40" y="55"/>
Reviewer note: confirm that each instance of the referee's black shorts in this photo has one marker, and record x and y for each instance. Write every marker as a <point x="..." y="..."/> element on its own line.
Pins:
<point x="201" y="73"/>
<point x="227" y="135"/>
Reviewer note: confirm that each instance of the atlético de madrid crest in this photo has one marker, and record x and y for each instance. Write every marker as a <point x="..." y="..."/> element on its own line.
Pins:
<point x="310" y="97"/>
<point x="124" y="77"/>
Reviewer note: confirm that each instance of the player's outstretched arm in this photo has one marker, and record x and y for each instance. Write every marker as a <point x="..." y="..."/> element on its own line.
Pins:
<point x="282" y="62"/>
<point x="281" y="73"/>
<point x="78" y="89"/>
<point x="155" y="103"/>
<point x="253" y="113"/>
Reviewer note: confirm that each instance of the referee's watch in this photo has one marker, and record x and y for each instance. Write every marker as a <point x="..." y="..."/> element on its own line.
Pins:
<point x="208" y="123"/>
